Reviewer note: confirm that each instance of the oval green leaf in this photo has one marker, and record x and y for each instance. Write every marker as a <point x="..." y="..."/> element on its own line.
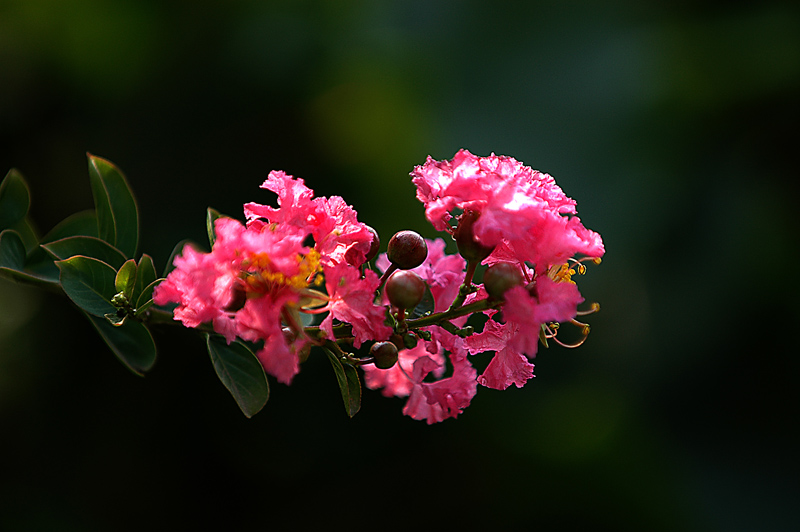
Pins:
<point x="145" y="277"/>
<point x="117" y="213"/>
<point x="15" y="199"/>
<point x="88" y="246"/>
<point x="89" y="283"/>
<point x="82" y="223"/>
<point x="125" y="280"/>
<point x="12" y="251"/>
<point x="349" y="383"/>
<point x="131" y="342"/>
<point x="34" y="269"/>
<point x="241" y="373"/>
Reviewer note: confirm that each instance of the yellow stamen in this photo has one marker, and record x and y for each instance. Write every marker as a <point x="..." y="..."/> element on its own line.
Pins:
<point x="258" y="272"/>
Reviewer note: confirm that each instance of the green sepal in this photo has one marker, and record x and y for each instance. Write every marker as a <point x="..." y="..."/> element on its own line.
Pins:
<point x="15" y="199"/>
<point x="115" y="319"/>
<point x="88" y="246"/>
<point x="349" y="383"/>
<point x="89" y="283"/>
<point x="132" y="343"/>
<point x="117" y="213"/>
<point x="125" y="281"/>
<point x="240" y="372"/>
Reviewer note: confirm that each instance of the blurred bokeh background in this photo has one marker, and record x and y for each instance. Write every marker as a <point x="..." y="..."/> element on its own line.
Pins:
<point x="674" y="126"/>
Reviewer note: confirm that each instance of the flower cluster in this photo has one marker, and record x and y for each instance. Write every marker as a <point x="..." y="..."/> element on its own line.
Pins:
<point x="310" y="256"/>
<point x="519" y="223"/>
<point x="258" y="278"/>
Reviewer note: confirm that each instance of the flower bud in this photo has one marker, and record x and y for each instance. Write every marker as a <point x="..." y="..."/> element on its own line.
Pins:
<point x="384" y="353"/>
<point x="500" y="277"/>
<point x="407" y="250"/>
<point x="375" y="246"/>
<point x="468" y="247"/>
<point x="405" y="289"/>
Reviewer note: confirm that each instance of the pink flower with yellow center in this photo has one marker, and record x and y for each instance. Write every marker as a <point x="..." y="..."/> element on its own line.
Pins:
<point x="259" y="278"/>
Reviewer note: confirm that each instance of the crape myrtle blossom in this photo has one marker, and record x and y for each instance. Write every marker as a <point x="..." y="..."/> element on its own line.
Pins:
<point x="308" y="255"/>
<point x="258" y="277"/>
<point x="519" y="210"/>
<point x="521" y="217"/>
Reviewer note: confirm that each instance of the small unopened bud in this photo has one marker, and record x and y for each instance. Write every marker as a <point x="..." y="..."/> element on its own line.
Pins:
<point x="375" y="246"/>
<point x="468" y="247"/>
<point x="405" y="289"/>
<point x="119" y="300"/>
<point x="384" y="353"/>
<point x="407" y="250"/>
<point x="500" y="277"/>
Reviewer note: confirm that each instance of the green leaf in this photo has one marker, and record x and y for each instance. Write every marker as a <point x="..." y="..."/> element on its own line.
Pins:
<point x="132" y="343"/>
<point x="349" y="383"/>
<point x="241" y="373"/>
<point x="82" y="223"/>
<point x="125" y="281"/>
<point x="14" y="265"/>
<point x="117" y="214"/>
<point x="40" y="264"/>
<point x="145" y="281"/>
<point x="211" y="217"/>
<point x="28" y="234"/>
<point x="15" y="199"/>
<point x="12" y="251"/>
<point x="89" y="283"/>
<point x="88" y="246"/>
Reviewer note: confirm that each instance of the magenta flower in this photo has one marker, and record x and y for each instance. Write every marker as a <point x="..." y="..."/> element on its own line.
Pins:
<point x="338" y="235"/>
<point x="429" y="400"/>
<point x="522" y="217"/>
<point x="520" y="210"/>
<point x="258" y="278"/>
<point x="352" y="300"/>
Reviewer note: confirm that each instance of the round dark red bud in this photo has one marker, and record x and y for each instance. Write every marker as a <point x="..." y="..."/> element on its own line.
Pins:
<point x="384" y="353"/>
<point x="375" y="246"/>
<point x="405" y="289"/>
<point x="468" y="247"/>
<point x="500" y="277"/>
<point x="407" y="250"/>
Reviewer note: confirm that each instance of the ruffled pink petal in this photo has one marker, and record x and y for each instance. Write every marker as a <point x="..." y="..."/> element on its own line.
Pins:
<point x="352" y="300"/>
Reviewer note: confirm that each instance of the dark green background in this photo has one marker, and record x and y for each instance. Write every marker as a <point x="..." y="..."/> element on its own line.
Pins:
<point x="673" y="125"/>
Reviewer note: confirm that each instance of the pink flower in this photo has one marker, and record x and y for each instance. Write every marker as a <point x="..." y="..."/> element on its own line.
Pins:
<point x="258" y="278"/>
<point x="252" y="279"/>
<point x="521" y="211"/>
<point x="352" y="300"/>
<point x="508" y="366"/>
<point x="333" y="224"/>
<point x="435" y="400"/>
